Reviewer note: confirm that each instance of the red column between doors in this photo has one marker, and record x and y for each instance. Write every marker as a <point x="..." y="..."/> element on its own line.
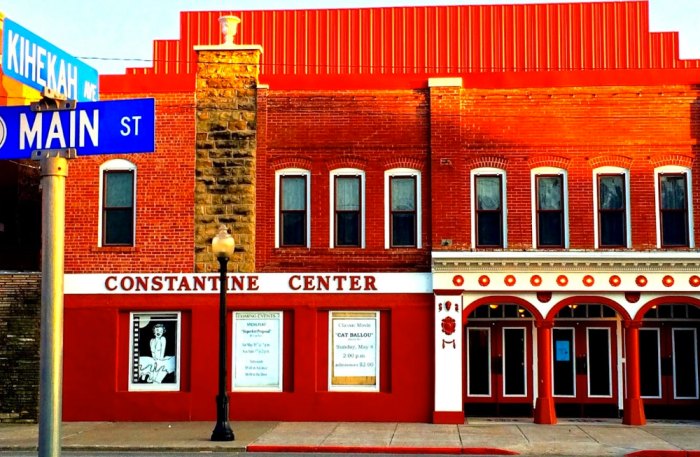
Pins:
<point x="634" y="406"/>
<point x="544" y="406"/>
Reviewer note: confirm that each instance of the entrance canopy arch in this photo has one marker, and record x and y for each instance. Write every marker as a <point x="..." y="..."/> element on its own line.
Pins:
<point x="501" y="300"/>
<point x="593" y="299"/>
<point x="666" y="300"/>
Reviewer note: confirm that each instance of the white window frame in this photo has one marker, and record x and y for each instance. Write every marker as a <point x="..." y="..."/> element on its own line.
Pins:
<point x="533" y="202"/>
<point x="596" y="191"/>
<point x="114" y="165"/>
<point x="350" y="172"/>
<point x="689" y="197"/>
<point x="504" y="209"/>
<point x="488" y="332"/>
<point x="397" y="172"/>
<point x="292" y="172"/>
<point x="588" y="362"/>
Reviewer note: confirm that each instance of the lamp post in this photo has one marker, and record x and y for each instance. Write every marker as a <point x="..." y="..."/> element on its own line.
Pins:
<point x="222" y="246"/>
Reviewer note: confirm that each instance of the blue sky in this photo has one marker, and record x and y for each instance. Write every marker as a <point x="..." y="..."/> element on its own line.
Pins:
<point x="121" y="32"/>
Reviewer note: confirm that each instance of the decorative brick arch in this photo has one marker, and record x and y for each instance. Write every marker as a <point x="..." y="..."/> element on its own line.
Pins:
<point x="553" y="161"/>
<point x="487" y="162"/>
<point x="610" y="160"/>
<point x="347" y="161"/>
<point x="639" y="317"/>
<point x="501" y="300"/>
<point x="680" y="160"/>
<point x="585" y="300"/>
<point x="404" y="162"/>
<point x="290" y="162"/>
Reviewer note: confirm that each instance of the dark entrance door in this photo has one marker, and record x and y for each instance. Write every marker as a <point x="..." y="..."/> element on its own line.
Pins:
<point x="669" y="348"/>
<point x="498" y="367"/>
<point x="584" y="368"/>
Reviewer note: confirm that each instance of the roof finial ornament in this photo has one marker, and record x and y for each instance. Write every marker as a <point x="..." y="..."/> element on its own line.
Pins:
<point x="229" y="27"/>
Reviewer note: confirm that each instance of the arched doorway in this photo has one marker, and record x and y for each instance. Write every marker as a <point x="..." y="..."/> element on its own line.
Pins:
<point x="499" y="359"/>
<point x="586" y="359"/>
<point x="669" y="344"/>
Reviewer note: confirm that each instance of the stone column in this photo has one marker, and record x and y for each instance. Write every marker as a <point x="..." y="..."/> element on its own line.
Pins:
<point x="226" y="111"/>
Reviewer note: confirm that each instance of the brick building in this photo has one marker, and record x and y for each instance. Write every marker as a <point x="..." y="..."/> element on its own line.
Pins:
<point x="438" y="211"/>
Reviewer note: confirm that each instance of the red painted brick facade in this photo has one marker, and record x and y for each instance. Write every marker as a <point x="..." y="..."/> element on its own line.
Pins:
<point x="576" y="118"/>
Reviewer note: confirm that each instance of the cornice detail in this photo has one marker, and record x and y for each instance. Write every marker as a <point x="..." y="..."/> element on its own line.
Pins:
<point x="574" y="261"/>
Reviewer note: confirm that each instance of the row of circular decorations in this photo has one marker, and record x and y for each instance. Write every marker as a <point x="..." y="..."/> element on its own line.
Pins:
<point x="588" y="280"/>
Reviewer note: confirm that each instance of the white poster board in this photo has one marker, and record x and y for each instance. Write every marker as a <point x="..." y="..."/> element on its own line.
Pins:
<point x="257" y="351"/>
<point x="354" y="351"/>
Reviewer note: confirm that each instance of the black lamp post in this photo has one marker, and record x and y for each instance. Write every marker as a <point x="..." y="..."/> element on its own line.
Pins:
<point x="222" y="246"/>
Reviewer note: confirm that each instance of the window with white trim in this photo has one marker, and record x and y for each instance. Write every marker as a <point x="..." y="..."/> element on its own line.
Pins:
<point x="674" y="222"/>
<point x="117" y="218"/>
<point x="549" y="208"/>
<point x="292" y="202"/>
<point x="347" y="208"/>
<point x="611" y="205"/>
<point x="402" y="197"/>
<point x="488" y="186"/>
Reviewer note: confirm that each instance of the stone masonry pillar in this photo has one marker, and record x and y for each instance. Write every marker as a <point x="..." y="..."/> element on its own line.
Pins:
<point x="226" y="115"/>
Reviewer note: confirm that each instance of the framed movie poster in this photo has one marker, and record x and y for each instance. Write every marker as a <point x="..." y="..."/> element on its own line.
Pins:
<point x="354" y="350"/>
<point x="257" y="351"/>
<point x="155" y="351"/>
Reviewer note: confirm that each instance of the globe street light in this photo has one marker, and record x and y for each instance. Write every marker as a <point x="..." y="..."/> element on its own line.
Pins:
<point x="222" y="246"/>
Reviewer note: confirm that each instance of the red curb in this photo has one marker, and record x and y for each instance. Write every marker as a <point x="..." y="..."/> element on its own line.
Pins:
<point x="664" y="453"/>
<point x="380" y="449"/>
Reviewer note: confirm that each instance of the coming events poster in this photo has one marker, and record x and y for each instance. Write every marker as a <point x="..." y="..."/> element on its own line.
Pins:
<point x="257" y="353"/>
<point x="155" y="351"/>
<point x="354" y="350"/>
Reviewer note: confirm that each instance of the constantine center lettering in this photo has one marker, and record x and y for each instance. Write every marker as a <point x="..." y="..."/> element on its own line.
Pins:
<point x="81" y="126"/>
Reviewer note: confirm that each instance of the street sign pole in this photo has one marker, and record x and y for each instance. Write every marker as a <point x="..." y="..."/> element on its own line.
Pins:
<point x="54" y="170"/>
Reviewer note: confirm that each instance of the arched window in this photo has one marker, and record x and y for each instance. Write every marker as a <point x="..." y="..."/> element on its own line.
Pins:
<point x="292" y="202"/>
<point x="402" y="197"/>
<point x="674" y="222"/>
<point x="347" y="208"/>
<point x="550" y="208"/>
<point x="117" y="220"/>
<point x="488" y="187"/>
<point x="611" y="206"/>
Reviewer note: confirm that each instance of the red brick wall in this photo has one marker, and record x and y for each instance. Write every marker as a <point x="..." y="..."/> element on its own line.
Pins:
<point x="324" y="130"/>
<point x="577" y="129"/>
<point x="164" y="199"/>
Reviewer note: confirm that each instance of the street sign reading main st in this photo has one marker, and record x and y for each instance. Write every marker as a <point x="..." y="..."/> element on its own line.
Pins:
<point x="37" y="63"/>
<point x="107" y="127"/>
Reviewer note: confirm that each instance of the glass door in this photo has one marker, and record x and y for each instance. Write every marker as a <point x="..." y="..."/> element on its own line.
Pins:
<point x="478" y="362"/>
<point x="685" y="364"/>
<point x="514" y="362"/>
<point x="564" y="363"/>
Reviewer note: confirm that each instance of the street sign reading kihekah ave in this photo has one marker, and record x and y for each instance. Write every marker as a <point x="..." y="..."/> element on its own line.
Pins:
<point x="37" y="63"/>
<point x="107" y="127"/>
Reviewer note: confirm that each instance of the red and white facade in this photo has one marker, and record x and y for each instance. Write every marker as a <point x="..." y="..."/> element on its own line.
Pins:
<point x="525" y="287"/>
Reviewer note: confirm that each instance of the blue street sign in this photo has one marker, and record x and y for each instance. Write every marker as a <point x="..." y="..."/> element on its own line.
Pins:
<point x="107" y="127"/>
<point x="37" y="63"/>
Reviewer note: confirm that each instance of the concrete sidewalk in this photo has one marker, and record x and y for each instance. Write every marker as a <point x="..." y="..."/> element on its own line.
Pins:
<point x="487" y="436"/>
